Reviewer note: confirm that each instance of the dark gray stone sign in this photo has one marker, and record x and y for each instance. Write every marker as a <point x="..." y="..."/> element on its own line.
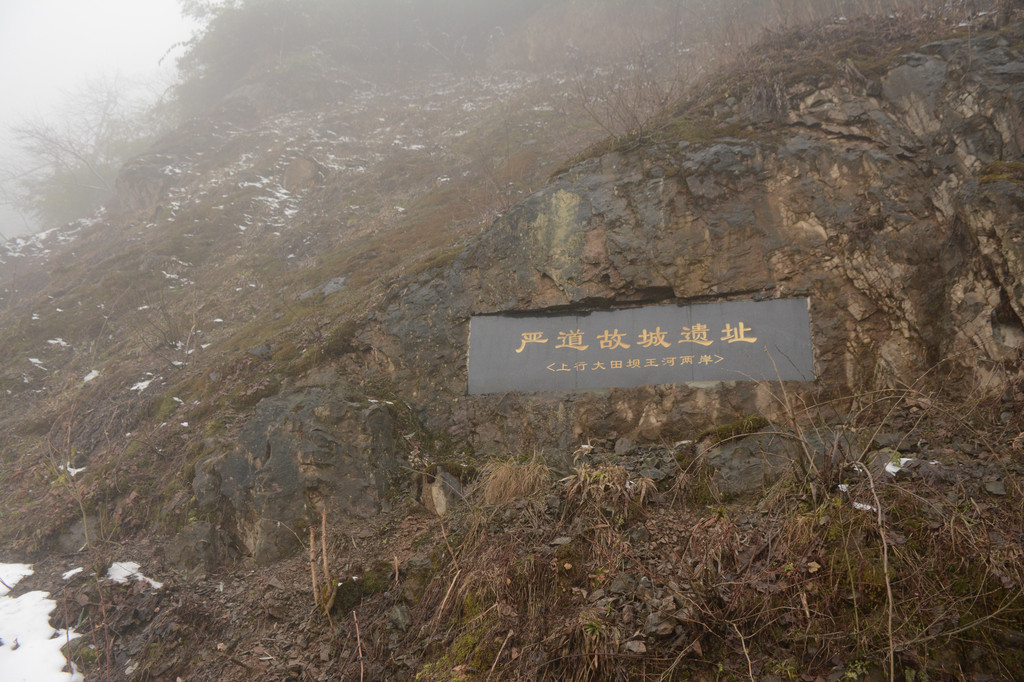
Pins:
<point x="664" y="344"/>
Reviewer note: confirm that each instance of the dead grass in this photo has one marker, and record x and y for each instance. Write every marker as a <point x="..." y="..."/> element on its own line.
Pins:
<point x="607" y="487"/>
<point x="512" y="480"/>
<point x="909" y="577"/>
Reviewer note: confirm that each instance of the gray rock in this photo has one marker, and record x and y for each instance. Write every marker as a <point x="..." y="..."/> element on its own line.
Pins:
<point x="400" y="617"/>
<point x="996" y="487"/>
<point x="623" y="583"/>
<point x="868" y="204"/>
<point x="329" y="287"/>
<point x="894" y="441"/>
<point x="196" y="549"/>
<point x="263" y="351"/>
<point x="624" y="446"/>
<point x="659" y="625"/>
<point x="74" y="538"/>
<point x="635" y="646"/>
<point x="639" y="534"/>
<point x="287" y="458"/>
<point x="653" y="474"/>
<point x="442" y="493"/>
<point x="749" y="464"/>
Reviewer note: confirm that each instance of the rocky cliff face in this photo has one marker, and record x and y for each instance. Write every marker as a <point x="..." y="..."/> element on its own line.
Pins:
<point x="889" y="198"/>
<point x="277" y="345"/>
<point x="884" y="187"/>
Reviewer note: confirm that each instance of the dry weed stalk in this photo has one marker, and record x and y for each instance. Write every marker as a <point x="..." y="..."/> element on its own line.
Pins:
<point x="324" y="593"/>
<point x="885" y="572"/>
<point x="359" y="646"/>
<point x="312" y="566"/>
<point x="67" y="453"/>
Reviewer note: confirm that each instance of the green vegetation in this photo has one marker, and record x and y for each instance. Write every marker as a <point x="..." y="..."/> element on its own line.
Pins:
<point x="740" y="427"/>
<point x="353" y="589"/>
<point x="1012" y="171"/>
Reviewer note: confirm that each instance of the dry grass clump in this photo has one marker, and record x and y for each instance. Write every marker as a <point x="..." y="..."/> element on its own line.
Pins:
<point x="607" y="488"/>
<point x="695" y="479"/>
<point x="512" y="480"/>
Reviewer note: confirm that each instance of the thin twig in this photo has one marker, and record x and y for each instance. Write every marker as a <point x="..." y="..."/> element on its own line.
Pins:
<point x="359" y="645"/>
<point x="743" y="643"/>
<point x="312" y="565"/>
<point x="323" y="542"/>
<point x="494" y="665"/>
<point x="444" y="533"/>
<point x="447" y="594"/>
<point x="67" y="630"/>
<point x="108" y="654"/>
<point x="885" y="571"/>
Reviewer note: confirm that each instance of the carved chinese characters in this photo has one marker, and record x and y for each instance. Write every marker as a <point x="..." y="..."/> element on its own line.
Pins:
<point x="727" y="341"/>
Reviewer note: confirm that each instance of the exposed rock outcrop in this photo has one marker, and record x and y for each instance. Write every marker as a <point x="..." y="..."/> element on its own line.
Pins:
<point x="867" y="194"/>
<point x="298" y="453"/>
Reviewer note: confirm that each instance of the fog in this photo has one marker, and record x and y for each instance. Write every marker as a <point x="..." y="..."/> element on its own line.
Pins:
<point x="51" y="50"/>
<point x="623" y="60"/>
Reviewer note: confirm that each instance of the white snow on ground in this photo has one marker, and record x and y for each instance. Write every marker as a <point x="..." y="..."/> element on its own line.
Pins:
<point x="894" y="468"/>
<point x="29" y="646"/>
<point x="90" y="376"/>
<point x="143" y="385"/>
<point x="123" y="571"/>
<point x="12" y="575"/>
<point x="71" y="470"/>
<point x="72" y="572"/>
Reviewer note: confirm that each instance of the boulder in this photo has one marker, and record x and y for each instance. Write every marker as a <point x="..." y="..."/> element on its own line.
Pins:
<point x="441" y="492"/>
<point x="321" y="445"/>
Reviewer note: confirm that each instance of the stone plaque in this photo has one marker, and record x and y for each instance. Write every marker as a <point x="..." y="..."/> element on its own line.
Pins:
<point x="664" y="344"/>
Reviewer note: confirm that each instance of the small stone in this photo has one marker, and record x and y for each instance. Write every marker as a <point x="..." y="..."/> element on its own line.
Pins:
<point x="996" y="487"/>
<point x="639" y="534"/>
<point x="658" y="625"/>
<point x="636" y="647"/>
<point x="624" y="446"/>
<point x="400" y="617"/>
<point x="621" y="584"/>
<point x="653" y="474"/>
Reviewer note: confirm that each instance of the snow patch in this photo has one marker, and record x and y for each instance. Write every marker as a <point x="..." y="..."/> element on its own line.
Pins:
<point x="124" y="571"/>
<point x="143" y="385"/>
<point x="72" y="471"/>
<point x="894" y="468"/>
<point x="29" y="646"/>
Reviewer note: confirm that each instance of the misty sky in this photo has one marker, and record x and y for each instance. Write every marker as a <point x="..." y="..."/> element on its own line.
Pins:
<point x="49" y="47"/>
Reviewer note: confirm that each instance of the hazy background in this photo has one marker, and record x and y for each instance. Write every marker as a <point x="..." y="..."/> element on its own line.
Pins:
<point x="53" y="50"/>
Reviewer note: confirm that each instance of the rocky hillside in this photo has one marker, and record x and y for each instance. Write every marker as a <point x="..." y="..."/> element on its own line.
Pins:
<point x="248" y="373"/>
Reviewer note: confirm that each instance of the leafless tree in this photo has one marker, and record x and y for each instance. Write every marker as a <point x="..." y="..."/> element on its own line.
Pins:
<point x="68" y="164"/>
